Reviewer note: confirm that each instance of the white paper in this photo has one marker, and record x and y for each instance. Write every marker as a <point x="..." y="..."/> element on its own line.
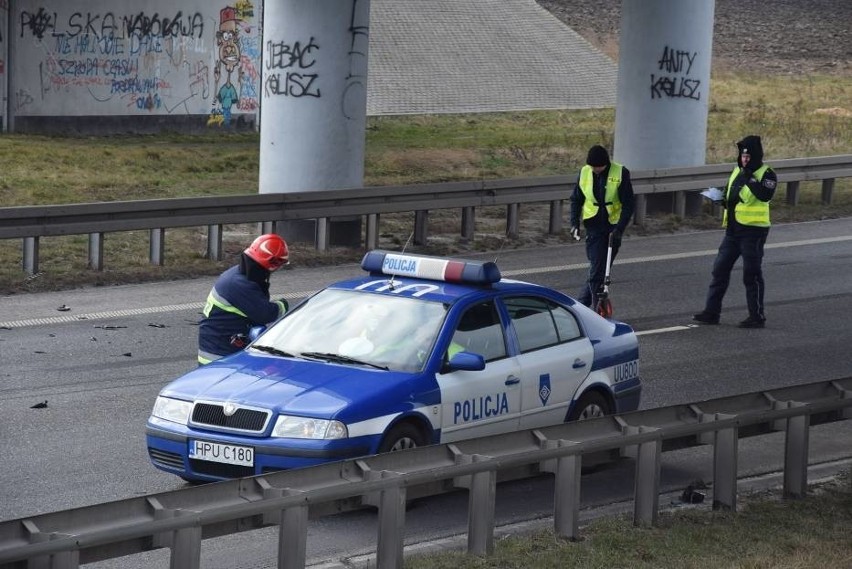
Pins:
<point x="713" y="194"/>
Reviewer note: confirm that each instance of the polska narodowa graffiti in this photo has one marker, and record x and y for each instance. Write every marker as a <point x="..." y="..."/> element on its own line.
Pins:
<point x="197" y="59"/>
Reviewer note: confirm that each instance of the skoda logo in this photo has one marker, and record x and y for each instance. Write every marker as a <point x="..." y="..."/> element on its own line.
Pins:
<point x="229" y="409"/>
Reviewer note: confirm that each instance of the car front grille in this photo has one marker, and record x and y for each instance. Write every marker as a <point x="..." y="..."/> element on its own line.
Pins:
<point x="243" y="419"/>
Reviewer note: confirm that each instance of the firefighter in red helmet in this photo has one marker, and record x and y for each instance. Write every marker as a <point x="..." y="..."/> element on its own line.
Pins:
<point x="240" y="299"/>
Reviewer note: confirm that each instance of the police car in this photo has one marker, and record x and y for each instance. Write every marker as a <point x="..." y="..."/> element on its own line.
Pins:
<point x="422" y="350"/>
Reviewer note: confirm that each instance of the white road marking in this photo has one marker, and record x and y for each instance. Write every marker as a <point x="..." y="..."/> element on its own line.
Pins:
<point x="673" y="256"/>
<point x="664" y="330"/>
<point x="513" y="273"/>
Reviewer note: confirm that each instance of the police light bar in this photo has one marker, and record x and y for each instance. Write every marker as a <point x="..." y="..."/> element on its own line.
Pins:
<point x="432" y="268"/>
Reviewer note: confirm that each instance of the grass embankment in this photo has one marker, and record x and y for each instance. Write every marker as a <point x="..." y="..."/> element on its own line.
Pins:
<point x="766" y="533"/>
<point x="797" y="117"/>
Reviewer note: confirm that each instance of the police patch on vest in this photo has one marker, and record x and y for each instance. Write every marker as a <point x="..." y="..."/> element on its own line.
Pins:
<point x="769" y="183"/>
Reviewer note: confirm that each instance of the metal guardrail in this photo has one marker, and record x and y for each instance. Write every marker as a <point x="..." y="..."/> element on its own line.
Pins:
<point x="95" y="219"/>
<point x="181" y="519"/>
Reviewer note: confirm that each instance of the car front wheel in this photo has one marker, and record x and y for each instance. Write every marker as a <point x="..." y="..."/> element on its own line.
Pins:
<point x="402" y="437"/>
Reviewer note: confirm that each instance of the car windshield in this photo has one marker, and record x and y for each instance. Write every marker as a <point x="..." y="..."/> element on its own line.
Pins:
<point x="379" y="330"/>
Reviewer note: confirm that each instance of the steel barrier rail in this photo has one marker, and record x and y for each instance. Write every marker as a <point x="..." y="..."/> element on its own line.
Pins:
<point x="181" y="519"/>
<point x="95" y="219"/>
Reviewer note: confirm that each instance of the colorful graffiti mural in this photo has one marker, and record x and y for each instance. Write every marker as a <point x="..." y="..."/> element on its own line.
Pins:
<point x="194" y="60"/>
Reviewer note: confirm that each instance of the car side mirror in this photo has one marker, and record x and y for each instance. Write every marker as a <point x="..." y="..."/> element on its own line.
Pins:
<point x="466" y="361"/>
<point x="256" y="331"/>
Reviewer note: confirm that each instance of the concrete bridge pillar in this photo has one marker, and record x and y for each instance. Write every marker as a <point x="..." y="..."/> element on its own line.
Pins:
<point x="314" y="103"/>
<point x="663" y="89"/>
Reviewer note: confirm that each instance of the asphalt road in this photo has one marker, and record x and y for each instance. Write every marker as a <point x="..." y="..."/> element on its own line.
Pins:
<point x="100" y="363"/>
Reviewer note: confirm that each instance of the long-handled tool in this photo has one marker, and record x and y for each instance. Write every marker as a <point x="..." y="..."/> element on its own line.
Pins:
<point x="604" y="304"/>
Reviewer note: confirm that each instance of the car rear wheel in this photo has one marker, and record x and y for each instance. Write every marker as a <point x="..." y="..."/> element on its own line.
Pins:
<point x="401" y="437"/>
<point x="590" y="406"/>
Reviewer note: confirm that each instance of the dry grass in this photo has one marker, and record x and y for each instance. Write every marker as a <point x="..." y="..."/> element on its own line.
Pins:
<point x="765" y="533"/>
<point x="796" y="116"/>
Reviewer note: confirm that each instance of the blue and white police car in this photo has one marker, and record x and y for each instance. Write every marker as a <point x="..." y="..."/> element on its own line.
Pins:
<point x="423" y="350"/>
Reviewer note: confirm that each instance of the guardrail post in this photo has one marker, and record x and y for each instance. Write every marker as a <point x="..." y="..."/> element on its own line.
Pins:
<point x="793" y="193"/>
<point x="725" y="463"/>
<point x="389" y="549"/>
<point x="157" y="246"/>
<point x="292" y="526"/>
<point x="846" y="412"/>
<point x="372" y="232"/>
<point x="30" y="255"/>
<point x="391" y="504"/>
<point x="421" y="226"/>
<point x="554" y="226"/>
<point x="482" y="492"/>
<point x="468" y="223"/>
<point x="323" y="234"/>
<point x="186" y="546"/>
<point x="512" y="220"/>
<point x="629" y="451"/>
<point x="796" y="454"/>
<point x="566" y="492"/>
<point x="214" y="242"/>
<point x="704" y="438"/>
<point x="647" y="487"/>
<point x="61" y="560"/>
<point x="680" y="204"/>
<point x="480" y="511"/>
<point x="163" y="539"/>
<point x="293" y="538"/>
<point x="641" y="210"/>
<point x="96" y="251"/>
<point x="827" y="190"/>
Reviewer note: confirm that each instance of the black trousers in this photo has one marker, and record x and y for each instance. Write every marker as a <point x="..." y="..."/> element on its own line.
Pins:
<point x="597" y="243"/>
<point x="750" y="248"/>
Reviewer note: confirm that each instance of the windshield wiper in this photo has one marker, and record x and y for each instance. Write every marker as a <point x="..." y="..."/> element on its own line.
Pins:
<point x="341" y="359"/>
<point x="271" y="350"/>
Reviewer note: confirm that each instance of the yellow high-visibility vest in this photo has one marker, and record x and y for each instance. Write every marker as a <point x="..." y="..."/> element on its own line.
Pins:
<point x="749" y="210"/>
<point x="611" y="201"/>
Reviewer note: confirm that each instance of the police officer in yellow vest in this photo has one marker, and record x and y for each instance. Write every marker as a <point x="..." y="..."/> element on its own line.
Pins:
<point x="603" y="200"/>
<point x="750" y="188"/>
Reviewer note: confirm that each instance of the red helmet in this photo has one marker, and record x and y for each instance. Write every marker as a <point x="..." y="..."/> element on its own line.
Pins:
<point x="269" y="251"/>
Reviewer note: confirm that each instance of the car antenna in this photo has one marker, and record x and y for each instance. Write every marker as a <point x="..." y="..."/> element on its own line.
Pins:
<point x="502" y="244"/>
<point x="404" y="247"/>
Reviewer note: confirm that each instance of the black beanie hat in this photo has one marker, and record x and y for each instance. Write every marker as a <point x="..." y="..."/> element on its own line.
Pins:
<point x="598" y="156"/>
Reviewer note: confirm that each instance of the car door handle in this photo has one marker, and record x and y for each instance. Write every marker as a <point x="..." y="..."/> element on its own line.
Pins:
<point x="578" y="363"/>
<point x="512" y="380"/>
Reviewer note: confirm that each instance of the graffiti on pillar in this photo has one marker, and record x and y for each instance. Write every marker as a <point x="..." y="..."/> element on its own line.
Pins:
<point x="359" y="44"/>
<point x="234" y="72"/>
<point x="288" y="67"/>
<point x="674" y="80"/>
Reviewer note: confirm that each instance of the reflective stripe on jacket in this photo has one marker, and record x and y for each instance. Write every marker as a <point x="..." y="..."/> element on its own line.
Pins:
<point x="234" y="306"/>
<point x="611" y="200"/>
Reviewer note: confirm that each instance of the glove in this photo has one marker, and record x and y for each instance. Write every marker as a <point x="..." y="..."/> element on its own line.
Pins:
<point x="616" y="238"/>
<point x="286" y="304"/>
<point x="239" y="341"/>
<point x="575" y="232"/>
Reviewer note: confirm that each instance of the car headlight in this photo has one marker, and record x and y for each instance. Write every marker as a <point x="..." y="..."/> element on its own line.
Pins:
<point x="307" y="428"/>
<point x="173" y="410"/>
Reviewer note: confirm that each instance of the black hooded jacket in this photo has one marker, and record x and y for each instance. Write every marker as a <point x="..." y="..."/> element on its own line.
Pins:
<point x="763" y="189"/>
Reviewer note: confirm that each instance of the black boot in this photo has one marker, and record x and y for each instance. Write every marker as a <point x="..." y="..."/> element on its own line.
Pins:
<point x="706" y="317"/>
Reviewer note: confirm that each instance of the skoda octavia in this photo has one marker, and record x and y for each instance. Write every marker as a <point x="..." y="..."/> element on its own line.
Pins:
<point x="419" y="350"/>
